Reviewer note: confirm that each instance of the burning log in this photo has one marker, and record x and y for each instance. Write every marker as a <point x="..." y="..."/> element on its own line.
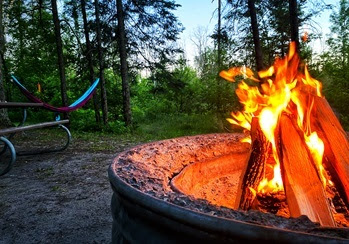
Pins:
<point x="254" y="169"/>
<point x="336" y="143"/>
<point x="304" y="191"/>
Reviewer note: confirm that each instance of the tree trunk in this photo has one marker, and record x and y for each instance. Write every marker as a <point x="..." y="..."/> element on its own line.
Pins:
<point x="60" y="54"/>
<point x="123" y="61"/>
<point x="219" y="61"/>
<point x="21" y="28"/>
<point x="40" y="12"/>
<point x="101" y="67"/>
<point x="89" y="59"/>
<point x="219" y="39"/>
<point x="255" y="33"/>
<point x="294" y="22"/>
<point x="4" y="119"/>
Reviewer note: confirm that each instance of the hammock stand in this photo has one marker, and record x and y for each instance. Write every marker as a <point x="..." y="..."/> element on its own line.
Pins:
<point x="7" y="133"/>
<point x="74" y="106"/>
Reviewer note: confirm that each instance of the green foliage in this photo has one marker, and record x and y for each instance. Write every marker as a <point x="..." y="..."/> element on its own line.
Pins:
<point x="274" y="27"/>
<point x="178" y="102"/>
<point x="333" y="67"/>
<point x="32" y="46"/>
<point x="175" y="99"/>
<point x="117" y="127"/>
<point x="83" y="120"/>
<point x="165" y="92"/>
<point x="114" y="94"/>
<point x="181" y="91"/>
<point x="152" y="30"/>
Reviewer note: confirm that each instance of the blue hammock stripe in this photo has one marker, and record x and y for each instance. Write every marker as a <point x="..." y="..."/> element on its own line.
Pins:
<point x="18" y="83"/>
<point x="86" y="94"/>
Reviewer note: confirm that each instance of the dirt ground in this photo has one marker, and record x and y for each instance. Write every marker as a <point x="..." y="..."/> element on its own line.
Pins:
<point x="59" y="197"/>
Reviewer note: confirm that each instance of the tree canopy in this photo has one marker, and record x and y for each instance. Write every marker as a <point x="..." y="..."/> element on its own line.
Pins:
<point x="134" y="47"/>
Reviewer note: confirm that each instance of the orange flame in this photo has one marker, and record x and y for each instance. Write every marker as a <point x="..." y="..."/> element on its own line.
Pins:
<point x="277" y="91"/>
<point x="305" y="36"/>
<point x="39" y="87"/>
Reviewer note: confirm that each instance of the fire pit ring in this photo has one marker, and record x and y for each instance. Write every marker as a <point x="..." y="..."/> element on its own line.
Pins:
<point x="139" y="217"/>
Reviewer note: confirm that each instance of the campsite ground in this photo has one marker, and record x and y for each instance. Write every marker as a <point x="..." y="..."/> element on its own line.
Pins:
<point x="59" y="197"/>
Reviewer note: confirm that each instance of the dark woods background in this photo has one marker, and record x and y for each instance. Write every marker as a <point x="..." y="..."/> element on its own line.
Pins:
<point x="147" y="85"/>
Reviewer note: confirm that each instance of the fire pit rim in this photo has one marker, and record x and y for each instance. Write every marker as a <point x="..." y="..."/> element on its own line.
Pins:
<point x="201" y="220"/>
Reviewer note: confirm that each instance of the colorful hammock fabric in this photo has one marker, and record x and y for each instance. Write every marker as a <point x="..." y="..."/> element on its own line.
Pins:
<point x="75" y="105"/>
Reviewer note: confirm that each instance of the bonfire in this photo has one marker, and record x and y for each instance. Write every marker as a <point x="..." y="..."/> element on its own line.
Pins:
<point x="299" y="152"/>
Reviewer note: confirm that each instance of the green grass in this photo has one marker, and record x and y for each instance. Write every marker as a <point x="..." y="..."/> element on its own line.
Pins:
<point x="145" y="129"/>
<point x="175" y="125"/>
<point x="162" y="126"/>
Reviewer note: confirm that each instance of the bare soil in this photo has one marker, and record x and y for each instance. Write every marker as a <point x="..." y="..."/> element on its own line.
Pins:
<point x="59" y="197"/>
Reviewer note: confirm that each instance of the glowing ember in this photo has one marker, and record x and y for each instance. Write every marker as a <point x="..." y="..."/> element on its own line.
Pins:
<point x="277" y="91"/>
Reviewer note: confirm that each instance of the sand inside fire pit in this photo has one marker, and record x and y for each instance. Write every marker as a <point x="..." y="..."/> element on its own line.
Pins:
<point x="214" y="180"/>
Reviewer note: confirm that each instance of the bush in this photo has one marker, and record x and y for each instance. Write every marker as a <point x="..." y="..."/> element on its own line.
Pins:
<point x="83" y="120"/>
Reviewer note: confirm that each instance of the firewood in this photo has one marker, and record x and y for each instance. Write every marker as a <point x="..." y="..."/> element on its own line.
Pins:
<point x="336" y="142"/>
<point x="331" y="173"/>
<point x="254" y="169"/>
<point x="303" y="188"/>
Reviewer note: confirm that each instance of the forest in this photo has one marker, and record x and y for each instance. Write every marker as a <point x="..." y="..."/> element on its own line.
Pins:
<point x="147" y="86"/>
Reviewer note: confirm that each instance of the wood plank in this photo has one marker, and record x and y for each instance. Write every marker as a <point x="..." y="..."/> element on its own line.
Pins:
<point x="31" y="127"/>
<point x="334" y="137"/>
<point x="254" y="170"/>
<point x="303" y="188"/>
<point x="19" y="105"/>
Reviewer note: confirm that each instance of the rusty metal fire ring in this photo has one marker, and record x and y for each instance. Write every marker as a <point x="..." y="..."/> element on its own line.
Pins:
<point x="142" y="218"/>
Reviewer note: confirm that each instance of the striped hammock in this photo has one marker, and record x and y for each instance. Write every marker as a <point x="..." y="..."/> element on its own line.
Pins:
<point x="75" y="105"/>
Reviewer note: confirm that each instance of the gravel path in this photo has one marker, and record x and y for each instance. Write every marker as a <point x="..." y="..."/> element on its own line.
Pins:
<point x="59" y="197"/>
